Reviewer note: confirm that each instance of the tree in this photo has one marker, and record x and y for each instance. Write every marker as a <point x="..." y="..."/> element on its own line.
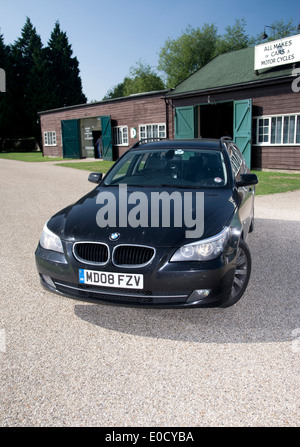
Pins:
<point x="4" y="51"/>
<point x="181" y="57"/>
<point x="26" y="86"/>
<point x="115" y="92"/>
<point x="277" y="30"/>
<point x="64" y="82"/>
<point x="5" y="109"/>
<point x="38" y="78"/>
<point x="235" y="38"/>
<point x="142" y="79"/>
<point x="195" y="47"/>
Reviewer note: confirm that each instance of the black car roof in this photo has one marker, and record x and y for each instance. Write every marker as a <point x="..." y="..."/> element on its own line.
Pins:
<point x="201" y="143"/>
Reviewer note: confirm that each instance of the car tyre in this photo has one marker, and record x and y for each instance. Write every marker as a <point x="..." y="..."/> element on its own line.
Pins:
<point x="241" y="275"/>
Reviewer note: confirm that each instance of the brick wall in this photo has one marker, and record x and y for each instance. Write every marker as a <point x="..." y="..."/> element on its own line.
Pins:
<point x="131" y="112"/>
<point x="274" y="99"/>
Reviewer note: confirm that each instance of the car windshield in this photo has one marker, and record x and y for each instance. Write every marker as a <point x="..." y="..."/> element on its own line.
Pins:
<point x="170" y="167"/>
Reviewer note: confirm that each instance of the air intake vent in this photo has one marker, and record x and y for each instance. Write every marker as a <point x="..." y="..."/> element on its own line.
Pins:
<point x="91" y="252"/>
<point x="133" y="255"/>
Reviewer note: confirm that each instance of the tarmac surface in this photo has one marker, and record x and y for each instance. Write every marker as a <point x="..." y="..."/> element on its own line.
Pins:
<point x="67" y="363"/>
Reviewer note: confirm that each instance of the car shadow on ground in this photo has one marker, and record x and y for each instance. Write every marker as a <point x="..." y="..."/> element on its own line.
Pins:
<point x="268" y="311"/>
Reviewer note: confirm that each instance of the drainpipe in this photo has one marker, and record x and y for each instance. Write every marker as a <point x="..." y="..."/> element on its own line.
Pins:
<point x="167" y="116"/>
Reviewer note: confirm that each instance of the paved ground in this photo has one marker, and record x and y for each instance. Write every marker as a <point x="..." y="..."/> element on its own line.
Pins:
<point x="68" y="363"/>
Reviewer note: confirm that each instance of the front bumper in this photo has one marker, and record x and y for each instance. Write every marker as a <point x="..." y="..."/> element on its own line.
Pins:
<point x="166" y="284"/>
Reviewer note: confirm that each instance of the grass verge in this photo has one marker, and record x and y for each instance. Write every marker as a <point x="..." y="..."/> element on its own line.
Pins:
<point x="28" y="156"/>
<point x="275" y="182"/>
<point x="93" y="166"/>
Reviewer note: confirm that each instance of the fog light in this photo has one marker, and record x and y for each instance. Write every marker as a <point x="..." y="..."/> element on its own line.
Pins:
<point x="48" y="281"/>
<point x="198" y="295"/>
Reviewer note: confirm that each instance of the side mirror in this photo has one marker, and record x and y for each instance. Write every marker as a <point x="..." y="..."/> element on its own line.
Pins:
<point x="95" y="177"/>
<point x="247" y="180"/>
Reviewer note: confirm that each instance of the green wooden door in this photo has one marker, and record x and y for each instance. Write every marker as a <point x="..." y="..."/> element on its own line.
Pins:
<point x="242" y="125"/>
<point x="106" y="138"/>
<point x="70" y="138"/>
<point x="185" y="122"/>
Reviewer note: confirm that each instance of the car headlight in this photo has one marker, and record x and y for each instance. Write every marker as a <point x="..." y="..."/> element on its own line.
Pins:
<point x="204" y="250"/>
<point x="49" y="240"/>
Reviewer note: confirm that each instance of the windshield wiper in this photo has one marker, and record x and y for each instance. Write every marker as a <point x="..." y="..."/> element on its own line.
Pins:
<point x="173" y="185"/>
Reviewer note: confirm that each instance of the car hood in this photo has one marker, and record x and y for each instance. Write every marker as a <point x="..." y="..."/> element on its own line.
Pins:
<point x="80" y="221"/>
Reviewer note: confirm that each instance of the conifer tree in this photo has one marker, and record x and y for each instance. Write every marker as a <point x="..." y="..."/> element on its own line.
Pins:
<point x="64" y="81"/>
<point x="3" y="52"/>
<point x="4" y="103"/>
<point x="27" y="58"/>
<point x="38" y="79"/>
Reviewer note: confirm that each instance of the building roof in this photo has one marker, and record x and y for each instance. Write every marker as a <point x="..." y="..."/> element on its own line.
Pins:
<point x="104" y="101"/>
<point x="229" y="69"/>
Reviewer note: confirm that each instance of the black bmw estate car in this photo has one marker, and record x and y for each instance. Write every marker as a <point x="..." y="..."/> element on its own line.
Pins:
<point x="165" y="227"/>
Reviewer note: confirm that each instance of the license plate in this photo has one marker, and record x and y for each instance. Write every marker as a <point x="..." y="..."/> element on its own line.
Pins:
<point x="111" y="279"/>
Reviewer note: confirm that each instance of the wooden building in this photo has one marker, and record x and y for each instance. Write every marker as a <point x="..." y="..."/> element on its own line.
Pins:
<point x="73" y="132"/>
<point x="258" y="108"/>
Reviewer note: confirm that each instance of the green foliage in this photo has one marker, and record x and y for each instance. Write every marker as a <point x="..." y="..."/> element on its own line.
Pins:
<point x="181" y="57"/>
<point x="195" y="47"/>
<point x="37" y="78"/>
<point x="26" y="81"/>
<point x="5" y="109"/>
<point x="276" y="182"/>
<point x="63" y="78"/>
<point x="235" y="38"/>
<point x="142" y="78"/>
<point x="94" y="166"/>
<point x="115" y="92"/>
<point x="277" y="30"/>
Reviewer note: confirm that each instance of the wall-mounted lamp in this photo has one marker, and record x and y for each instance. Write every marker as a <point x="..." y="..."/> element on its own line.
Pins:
<point x="264" y="36"/>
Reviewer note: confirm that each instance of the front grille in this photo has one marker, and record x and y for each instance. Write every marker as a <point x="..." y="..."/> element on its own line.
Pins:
<point x="132" y="255"/>
<point x="123" y="255"/>
<point x="91" y="252"/>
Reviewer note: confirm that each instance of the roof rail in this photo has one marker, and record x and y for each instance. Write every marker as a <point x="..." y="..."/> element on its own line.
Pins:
<point x="225" y="138"/>
<point x="146" y="140"/>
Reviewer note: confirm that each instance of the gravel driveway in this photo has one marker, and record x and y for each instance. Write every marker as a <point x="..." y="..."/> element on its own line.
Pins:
<point x="68" y="363"/>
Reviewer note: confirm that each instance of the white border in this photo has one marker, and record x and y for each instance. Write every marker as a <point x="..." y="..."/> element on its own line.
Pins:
<point x="270" y="117"/>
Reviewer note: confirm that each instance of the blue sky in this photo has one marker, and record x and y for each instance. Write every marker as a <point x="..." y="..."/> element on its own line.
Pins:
<point x="108" y="37"/>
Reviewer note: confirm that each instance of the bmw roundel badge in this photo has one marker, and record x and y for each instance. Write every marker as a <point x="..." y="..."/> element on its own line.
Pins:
<point x="114" y="236"/>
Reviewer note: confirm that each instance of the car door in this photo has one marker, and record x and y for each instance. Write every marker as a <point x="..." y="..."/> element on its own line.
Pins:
<point x="246" y="193"/>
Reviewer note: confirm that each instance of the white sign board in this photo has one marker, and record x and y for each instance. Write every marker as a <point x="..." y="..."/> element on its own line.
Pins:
<point x="278" y="52"/>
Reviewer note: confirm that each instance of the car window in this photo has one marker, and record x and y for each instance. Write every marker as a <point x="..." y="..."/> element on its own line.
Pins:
<point x="175" y="167"/>
<point x="236" y="159"/>
<point x="240" y="155"/>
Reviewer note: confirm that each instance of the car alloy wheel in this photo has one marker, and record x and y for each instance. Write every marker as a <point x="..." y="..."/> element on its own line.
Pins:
<point x="241" y="275"/>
